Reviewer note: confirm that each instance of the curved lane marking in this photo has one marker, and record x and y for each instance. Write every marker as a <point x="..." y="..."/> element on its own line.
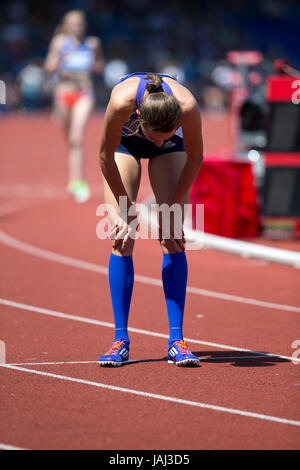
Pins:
<point x="76" y="263"/>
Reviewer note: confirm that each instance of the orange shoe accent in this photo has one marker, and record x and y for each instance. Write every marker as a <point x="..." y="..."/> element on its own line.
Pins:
<point x="183" y="347"/>
<point x="114" y="347"/>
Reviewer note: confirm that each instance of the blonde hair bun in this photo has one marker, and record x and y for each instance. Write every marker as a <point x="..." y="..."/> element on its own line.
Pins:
<point x="155" y="85"/>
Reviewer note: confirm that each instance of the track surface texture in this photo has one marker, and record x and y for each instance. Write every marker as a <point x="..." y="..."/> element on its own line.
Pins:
<point x="241" y="319"/>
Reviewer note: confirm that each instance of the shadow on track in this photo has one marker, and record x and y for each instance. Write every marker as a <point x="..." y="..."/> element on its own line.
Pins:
<point x="235" y="358"/>
<point x="239" y="358"/>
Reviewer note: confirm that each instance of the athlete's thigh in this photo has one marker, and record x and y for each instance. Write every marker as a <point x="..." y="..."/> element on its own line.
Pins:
<point x="130" y="171"/>
<point x="164" y="173"/>
<point x="62" y="115"/>
<point x="79" y="116"/>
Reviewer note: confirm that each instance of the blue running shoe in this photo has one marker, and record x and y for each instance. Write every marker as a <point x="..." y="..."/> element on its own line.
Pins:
<point x="180" y="355"/>
<point x="117" y="355"/>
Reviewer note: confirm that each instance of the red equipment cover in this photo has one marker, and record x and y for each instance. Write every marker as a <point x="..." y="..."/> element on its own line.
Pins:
<point x="281" y="88"/>
<point x="227" y="190"/>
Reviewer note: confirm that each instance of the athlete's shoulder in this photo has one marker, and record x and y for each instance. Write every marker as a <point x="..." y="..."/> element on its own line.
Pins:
<point x="93" y="41"/>
<point x="188" y="101"/>
<point x="184" y="96"/>
<point x="58" y="40"/>
<point x="124" y="93"/>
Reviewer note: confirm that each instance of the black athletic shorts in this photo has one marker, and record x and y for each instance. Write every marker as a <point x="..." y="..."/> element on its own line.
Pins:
<point x="140" y="147"/>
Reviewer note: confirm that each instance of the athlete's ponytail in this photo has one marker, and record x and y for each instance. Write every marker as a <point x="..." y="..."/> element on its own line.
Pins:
<point x="155" y="85"/>
<point x="159" y="111"/>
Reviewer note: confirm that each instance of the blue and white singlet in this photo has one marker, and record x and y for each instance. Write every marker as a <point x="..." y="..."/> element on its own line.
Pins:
<point x="138" y="145"/>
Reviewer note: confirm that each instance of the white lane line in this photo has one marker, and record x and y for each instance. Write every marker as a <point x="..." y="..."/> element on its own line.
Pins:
<point x="54" y="313"/>
<point x="202" y="359"/>
<point x="60" y="363"/>
<point x="49" y="255"/>
<point x="12" y="206"/>
<point x="248" y="414"/>
<point x="9" y="447"/>
<point x="33" y="191"/>
<point x="69" y="261"/>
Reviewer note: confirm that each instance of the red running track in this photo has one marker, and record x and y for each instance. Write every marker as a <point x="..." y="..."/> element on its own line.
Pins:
<point x="241" y="318"/>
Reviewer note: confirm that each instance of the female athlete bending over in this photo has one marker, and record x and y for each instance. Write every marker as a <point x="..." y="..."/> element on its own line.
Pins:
<point x="73" y="57"/>
<point x="149" y="116"/>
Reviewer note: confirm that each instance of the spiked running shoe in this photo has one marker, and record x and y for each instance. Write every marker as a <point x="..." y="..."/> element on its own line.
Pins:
<point x="117" y="355"/>
<point x="180" y="355"/>
<point x="79" y="190"/>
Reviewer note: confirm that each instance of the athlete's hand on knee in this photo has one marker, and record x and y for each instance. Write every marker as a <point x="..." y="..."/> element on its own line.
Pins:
<point x="173" y="240"/>
<point x="123" y="231"/>
<point x="174" y="244"/>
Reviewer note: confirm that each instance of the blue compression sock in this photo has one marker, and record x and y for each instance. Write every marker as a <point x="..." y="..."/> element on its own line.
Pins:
<point x="174" y="277"/>
<point x="121" y="278"/>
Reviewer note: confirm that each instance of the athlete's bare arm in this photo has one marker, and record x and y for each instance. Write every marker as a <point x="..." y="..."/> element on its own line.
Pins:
<point x="119" y="109"/>
<point x="99" y="62"/>
<point x="52" y="60"/>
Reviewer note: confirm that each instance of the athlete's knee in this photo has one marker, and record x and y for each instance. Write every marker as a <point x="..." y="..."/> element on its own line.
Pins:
<point x="168" y="248"/>
<point x="127" y="251"/>
<point x="123" y="249"/>
<point x="75" y="141"/>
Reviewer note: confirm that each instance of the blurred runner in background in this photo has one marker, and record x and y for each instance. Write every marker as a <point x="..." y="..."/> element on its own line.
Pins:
<point x="73" y="57"/>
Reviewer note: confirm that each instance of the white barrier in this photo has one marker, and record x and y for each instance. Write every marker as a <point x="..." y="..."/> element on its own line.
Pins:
<point x="245" y="249"/>
<point x="229" y="245"/>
